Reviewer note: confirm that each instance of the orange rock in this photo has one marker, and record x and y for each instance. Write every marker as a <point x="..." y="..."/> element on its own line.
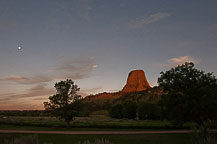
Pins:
<point x="136" y="81"/>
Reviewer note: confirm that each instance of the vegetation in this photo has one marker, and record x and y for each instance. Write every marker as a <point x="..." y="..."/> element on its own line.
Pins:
<point x="202" y="136"/>
<point x="27" y="113"/>
<point x="148" y="111"/>
<point x="191" y="95"/>
<point x="186" y="96"/>
<point x="129" y="110"/>
<point x="116" y="111"/>
<point x="97" y="141"/>
<point x="65" y="104"/>
<point x="94" y="122"/>
<point x="29" y="139"/>
<point x="116" y="139"/>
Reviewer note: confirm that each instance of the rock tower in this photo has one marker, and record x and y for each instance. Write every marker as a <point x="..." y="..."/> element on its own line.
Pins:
<point x="136" y="82"/>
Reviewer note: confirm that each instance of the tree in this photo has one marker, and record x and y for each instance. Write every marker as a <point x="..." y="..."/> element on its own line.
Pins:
<point x="148" y="111"/>
<point x="116" y="111"/>
<point x="66" y="103"/>
<point x="129" y="109"/>
<point x="191" y="94"/>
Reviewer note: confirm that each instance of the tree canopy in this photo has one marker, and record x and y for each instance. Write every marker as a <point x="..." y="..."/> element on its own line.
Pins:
<point x="66" y="102"/>
<point x="191" y="94"/>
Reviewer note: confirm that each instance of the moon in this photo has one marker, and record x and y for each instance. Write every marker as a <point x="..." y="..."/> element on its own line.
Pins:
<point x="19" y="47"/>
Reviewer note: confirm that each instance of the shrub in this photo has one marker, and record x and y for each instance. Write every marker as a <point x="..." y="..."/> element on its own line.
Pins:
<point x="116" y="111"/>
<point x="147" y="111"/>
<point x="129" y="110"/>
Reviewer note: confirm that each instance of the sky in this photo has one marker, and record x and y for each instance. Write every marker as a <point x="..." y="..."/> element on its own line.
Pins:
<point x="96" y="43"/>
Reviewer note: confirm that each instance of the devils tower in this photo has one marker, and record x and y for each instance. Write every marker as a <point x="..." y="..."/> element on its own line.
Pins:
<point x="136" y="82"/>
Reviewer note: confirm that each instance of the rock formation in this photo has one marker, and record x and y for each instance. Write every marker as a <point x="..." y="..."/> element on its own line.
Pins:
<point x="136" y="81"/>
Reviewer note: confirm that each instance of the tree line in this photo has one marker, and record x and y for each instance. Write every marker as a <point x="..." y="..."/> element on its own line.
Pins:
<point x="190" y="95"/>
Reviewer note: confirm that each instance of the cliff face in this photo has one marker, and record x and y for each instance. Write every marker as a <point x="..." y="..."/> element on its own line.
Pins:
<point x="136" y="82"/>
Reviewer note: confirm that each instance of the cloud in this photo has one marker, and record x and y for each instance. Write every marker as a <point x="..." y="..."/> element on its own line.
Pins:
<point x="172" y="62"/>
<point x="40" y="99"/>
<point x="12" y="101"/>
<point x="86" y="92"/>
<point x="76" y="69"/>
<point x="71" y="69"/>
<point x="81" y="65"/>
<point x="3" y="100"/>
<point x="6" y="94"/>
<point x="183" y="59"/>
<point x="20" y="106"/>
<point x="28" y="80"/>
<point x="140" y="22"/>
<point x="94" y="66"/>
<point x="36" y="91"/>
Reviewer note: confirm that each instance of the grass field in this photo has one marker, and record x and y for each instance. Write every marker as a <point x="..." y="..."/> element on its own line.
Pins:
<point x="87" y="122"/>
<point x="96" y="124"/>
<point x="114" y="139"/>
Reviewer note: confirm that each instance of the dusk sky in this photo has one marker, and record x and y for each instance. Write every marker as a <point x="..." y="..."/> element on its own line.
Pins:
<point x="97" y="43"/>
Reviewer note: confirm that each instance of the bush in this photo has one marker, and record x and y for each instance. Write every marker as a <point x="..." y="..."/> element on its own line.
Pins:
<point x="116" y="111"/>
<point x="129" y="110"/>
<point x="147" y="111"/>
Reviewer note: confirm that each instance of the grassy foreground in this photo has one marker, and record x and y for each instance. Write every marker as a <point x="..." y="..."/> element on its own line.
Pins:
<point x="86" y="122"/>
<point x="94" y="124"/>
<point x="114" y="139"/>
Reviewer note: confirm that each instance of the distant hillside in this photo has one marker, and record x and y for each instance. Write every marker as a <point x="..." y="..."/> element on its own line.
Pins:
<point x="104" y="96"/>
<point x="136" y="89"/>
<point x="152" y="95"/>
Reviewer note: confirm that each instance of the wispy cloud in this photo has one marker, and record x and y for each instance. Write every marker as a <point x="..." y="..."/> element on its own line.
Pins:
<point x="14" y="101"/>
<point x="28" y="80"/>
<point x="85" y="92"/>
<point x="140" y="22"/>
<point x="20" y="106"/>
<point x="175" y="61"/>
<point x="36" y="91"/>
<point x="72" y="69"/>
<point x="81" y="65"/>
<point x="76" y="69"/>
<point x="183" y="59"/>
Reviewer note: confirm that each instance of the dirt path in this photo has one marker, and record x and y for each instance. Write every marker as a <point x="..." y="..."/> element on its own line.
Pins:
<point x="98" y="132"/>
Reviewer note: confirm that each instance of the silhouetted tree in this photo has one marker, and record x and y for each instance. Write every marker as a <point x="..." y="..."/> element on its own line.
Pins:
<point x="129" y="109"/>
<point x="191" y="94"/>
<point x="66" y="103"/>
<point x="148" y="111"/>
<point x="116" y="111"/>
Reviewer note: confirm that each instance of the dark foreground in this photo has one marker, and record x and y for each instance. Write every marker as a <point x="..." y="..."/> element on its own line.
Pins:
<point x="101" y="132"/>
<point x="113" y="139"/>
